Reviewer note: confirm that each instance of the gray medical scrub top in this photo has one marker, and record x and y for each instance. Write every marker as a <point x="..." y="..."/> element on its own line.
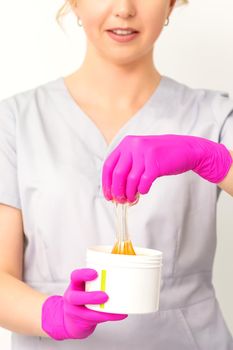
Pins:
<point x="51" y="157"/>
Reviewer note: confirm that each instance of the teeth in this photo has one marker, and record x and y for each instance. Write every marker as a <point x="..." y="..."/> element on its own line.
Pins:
<point x="122" y="32"/>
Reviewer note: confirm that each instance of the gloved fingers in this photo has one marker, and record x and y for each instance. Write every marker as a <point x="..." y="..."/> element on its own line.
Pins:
<point x="87" y="328"/>
<point x="108" y="167"/>
<point x="136" y="200"/>
<point x="75" y="297"/>
<point x="134" y="177"/>
<point x="78" y="328"/>
<point x="119" y="177"/>
<point x="80" y="276"/>
<point x="99" y="317"/>
<point x="84" y="330"/>
<point x="150" y="174"/>
<point x="92" y="316"/>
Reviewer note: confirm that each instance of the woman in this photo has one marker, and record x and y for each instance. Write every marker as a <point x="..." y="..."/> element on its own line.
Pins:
<point x="113" y="129"/>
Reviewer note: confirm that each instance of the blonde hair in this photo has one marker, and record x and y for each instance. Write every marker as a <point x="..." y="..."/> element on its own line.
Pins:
<point x="65" y="9"/>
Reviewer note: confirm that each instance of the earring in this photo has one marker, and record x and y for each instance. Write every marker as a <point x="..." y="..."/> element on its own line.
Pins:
<point x="79" y="23"/>
<point x="166" y="23"/>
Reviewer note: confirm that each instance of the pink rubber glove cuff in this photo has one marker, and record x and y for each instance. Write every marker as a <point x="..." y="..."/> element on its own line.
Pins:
<point x="52" y="318"/>
<point x="221" y="161"/>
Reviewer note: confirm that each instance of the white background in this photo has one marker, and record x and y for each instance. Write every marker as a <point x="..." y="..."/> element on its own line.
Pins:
<point x="196" y="49"/>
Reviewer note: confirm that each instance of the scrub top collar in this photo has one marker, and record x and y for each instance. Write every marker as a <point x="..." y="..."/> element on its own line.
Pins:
<point x="139" y="123"/>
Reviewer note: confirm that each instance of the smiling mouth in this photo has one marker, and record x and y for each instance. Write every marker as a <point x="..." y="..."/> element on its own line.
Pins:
<point x="121" y="33"/>
<point x="122" y="37"/>
<point x="121" y="30"/>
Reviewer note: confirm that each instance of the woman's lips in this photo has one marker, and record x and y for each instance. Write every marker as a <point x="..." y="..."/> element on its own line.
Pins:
<point x="122" y="38"/>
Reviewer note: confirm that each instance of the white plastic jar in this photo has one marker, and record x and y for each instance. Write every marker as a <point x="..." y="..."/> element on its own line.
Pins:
<point x="132" y="282"/>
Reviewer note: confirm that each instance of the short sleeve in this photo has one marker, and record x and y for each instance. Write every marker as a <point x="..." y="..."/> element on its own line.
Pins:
<point x="223" y="109"/>
<point x="226" y="134"/>
<point x="9" y="191"/>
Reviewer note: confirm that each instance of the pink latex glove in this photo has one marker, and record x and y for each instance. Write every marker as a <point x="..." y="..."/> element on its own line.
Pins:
<point x="66" y="317"/>
<point x="137" y="161"/>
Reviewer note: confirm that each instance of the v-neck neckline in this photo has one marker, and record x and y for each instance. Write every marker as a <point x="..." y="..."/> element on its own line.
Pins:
<point x="134" y="119"/>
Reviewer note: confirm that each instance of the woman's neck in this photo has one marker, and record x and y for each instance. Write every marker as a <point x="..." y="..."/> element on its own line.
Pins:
<point x="103" y="79"/>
